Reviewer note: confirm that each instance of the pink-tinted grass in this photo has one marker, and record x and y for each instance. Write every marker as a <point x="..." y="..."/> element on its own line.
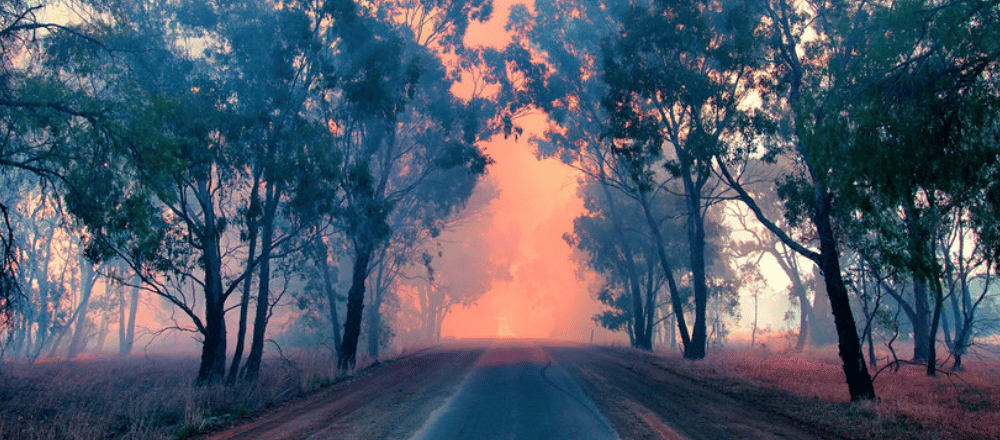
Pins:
<point x="910" y="404"/>
<point x="150" y="397"/>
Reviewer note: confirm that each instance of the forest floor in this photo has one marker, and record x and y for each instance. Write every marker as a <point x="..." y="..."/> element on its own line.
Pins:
<point x="732" y="393"/>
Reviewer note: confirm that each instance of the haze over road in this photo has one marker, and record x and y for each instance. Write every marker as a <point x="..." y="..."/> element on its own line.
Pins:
<point x="518" y="389"/>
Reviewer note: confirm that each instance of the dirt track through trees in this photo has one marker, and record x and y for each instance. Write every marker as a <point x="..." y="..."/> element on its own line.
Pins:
<point x="640" y="398"/>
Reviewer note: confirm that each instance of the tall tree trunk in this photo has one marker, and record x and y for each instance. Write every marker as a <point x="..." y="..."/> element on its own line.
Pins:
<point x="212" y="368"/>
<point x="921" y="308"/>
<point x="374" y="323"/>
<point x="957" y="309"/>
<point x="920" y="321"/>
<point x="122" y="306"/>
<point x="355" y="307"/>
<point x="675" y="297"/>
<point x="859" y="381"/>
<point x="650" y="306"/>
<point x="213" y="351"/>
<point x="788" y="265"/>
<point x="632" y="272"/>
<point x="125" y="343"/>
<point x="102" y="333"/>
<point x="932" y="338"/>
<point x="252" y="230"/>
<point x="866" y="309"/>
<point x="963" y="322"/>
<point x="263" y="311"/>
<point x="946" y="329"/>
<point x="331" y="293"/>
<point x="79" y="341"/>
<point x="696" y="242"/>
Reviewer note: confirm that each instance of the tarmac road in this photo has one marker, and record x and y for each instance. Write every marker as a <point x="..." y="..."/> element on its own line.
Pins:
<point x="515" y="391"/>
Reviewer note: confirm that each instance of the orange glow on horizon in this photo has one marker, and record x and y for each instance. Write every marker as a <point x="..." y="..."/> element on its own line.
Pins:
<point x="544" y="298"/>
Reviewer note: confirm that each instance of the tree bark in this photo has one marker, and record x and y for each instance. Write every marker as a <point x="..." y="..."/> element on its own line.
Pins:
<point x="675" y="297"/>
<point x="355" y="306"/>
<point x="789" y="266"/>
<point x="696" y="240"/>
<point x="252" y="231"/>
<point x="263" y="310"/>
<point x="331" y="293"/>
<point x="628" y="259"/>
<point x="213" y="349"/>
<point x="127" y="337"/>
<point x="80" y="328"/>
<point x="921" y="308"/>
<point x="859" y="381"/>
<point x="374" y="314"/>
<point x="932" y="337"/>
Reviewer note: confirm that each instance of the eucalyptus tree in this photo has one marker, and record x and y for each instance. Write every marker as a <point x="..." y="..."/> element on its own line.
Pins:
<point x="599" y="237"/>
<point x="854" y="75"/>
<point x="940" y="59"/>
<point x="678" y="74"/>
<point x="49" y="102"/>
<point x="277" y="128"/>
<point x="409" y="147"/>
<point x="808" y="99"/>
<point x="45" y="269"/>
<point x="416" y="163"/>
<point x="553" y="66"/>
<point x="763" y="242"/>
<point x="205" y="129"/>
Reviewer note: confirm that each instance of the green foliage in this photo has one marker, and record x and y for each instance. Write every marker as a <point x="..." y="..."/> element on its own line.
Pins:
<point x="618" y="317"/>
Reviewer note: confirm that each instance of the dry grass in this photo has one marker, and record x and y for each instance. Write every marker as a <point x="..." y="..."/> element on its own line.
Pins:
<point x="810" y="387"/>
<point x="139" y="397"/>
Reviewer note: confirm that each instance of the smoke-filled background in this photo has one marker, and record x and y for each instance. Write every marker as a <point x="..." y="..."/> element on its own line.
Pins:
<point x="363" y="179"/>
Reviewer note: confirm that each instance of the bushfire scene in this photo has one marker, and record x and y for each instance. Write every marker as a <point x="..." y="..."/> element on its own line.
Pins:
<point x="499" y="219"/>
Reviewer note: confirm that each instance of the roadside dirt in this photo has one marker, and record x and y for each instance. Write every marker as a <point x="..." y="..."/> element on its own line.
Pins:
<point x="389" y="401"/>
<point x="646" y="400"/>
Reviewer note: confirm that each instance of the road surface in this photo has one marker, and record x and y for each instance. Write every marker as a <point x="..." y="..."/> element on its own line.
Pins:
<point x="516" y="392"/>
<point x="514" y="389"/>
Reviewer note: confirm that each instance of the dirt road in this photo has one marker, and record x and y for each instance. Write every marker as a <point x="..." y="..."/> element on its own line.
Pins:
<point x="520" y="390"/>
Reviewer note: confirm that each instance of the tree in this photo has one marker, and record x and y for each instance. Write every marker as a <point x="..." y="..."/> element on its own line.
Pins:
<point x="613" y="236"/>
<point x="410" y="155"/>
<point x="88" y="277"/>
<point x="677" y="75"/>
<point x="46" y="269"/>
<point x="763" y="242"/>
<point x="811" y="191"/>
<point x="163" y="207"/>
<point x="934" y="61"/>
<point x="46" y="103"/>
<point x="568" y="37"/>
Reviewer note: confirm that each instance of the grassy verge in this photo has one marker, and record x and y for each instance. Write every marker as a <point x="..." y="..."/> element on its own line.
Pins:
<point x="809" y="389"/>
<point x="140" y="397"/>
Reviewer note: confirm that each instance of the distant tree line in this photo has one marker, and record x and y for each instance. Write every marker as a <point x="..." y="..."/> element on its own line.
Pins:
<point x="861" y="135"/>
<point x="228" y="157"/>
